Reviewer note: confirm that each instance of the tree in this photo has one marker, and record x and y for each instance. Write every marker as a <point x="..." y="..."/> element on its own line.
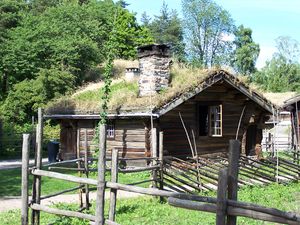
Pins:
<point x="208" y="29"/>
<point x="27" y="95"/>
<point x="282" y="72"/>
<point x="288" y="48"/>
<point x="145" y="19"/>
<point x="10" y="17"/>
<point x="246" y="51"/>
<point x="129" y="34"/>
<point x="166" y="28"/>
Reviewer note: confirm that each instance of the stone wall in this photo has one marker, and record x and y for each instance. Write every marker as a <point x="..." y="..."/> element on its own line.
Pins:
<point x="154" y="69"/>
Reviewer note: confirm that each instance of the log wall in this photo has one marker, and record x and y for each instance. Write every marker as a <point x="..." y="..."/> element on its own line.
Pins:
<point x="129" y="138"/>
<point x="175" y="140"/>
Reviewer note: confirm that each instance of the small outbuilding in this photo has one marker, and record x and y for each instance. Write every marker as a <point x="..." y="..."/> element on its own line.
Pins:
<point x="213" y="105"/>
<point x="293" y="106"/>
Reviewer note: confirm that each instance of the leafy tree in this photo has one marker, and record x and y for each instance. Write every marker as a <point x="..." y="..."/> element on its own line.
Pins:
<point x="129" y="35"/>
<point x="122" y="3"/>
<point x="282" y="72"/>
<point x="27" y="95"/>
<point x="145" y="19"/>
<point x="288" y="48"/>
<point x="246" y="51"/>
<point x="39" y="6"/>
<point x="10" y="16"/>
<point x="207" y="28"/>
<point x="166" y="28"/>
<point x="62" y="37"/>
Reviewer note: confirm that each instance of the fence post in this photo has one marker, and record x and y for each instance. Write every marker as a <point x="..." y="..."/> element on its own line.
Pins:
<point x="1" y="134"/>
<point x="221" y="197"/>
<point x="36" y="193"/>
<point x="114" y="178"/>
<point x="101" y="176"/>
<point x="161" y="161"/>
<point x="25" y="164"/>
<point x="154" y="154"/>
<point x="86" y="169"/>
<point x="233" y="170"/>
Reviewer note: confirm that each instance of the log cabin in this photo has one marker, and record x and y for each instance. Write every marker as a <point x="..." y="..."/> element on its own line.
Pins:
<point x="293" y="106"/>
<point x="213" y="105"/>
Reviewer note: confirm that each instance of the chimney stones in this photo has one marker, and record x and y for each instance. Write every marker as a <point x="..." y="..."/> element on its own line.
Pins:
<point x="154" y="63"/>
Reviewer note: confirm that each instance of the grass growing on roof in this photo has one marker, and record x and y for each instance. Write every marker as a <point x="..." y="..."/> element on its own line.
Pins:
<point x="124" y="95"/>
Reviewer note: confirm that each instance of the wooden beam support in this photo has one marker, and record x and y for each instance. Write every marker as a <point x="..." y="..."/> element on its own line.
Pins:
<point x="101" y="176"/>
<point x="25" y="180"/>
<point x="114" y="178"/>
<point x="233" y="171"/>
<point x="221" y="197"/>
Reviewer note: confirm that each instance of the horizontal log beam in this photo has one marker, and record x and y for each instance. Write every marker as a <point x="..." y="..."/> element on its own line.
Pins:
<point x="61" y="212"/>
<point x="233" y="211"/>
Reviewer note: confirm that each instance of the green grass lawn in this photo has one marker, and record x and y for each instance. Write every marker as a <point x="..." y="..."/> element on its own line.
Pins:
<point x="148" y="210"/>
<point x="10" y="182"/>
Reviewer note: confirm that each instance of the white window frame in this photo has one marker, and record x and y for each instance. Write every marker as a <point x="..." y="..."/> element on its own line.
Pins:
<point x="110" y="130"/>
<point x="215" y="121"/>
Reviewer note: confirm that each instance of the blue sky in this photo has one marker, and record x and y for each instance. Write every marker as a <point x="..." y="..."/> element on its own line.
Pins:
<point x="268" y="19"/>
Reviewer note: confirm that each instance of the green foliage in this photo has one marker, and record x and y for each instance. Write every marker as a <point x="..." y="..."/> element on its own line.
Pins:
<point x="282" y="72"/>
<point x="207" y="31"/>
<point x="27" y="96"/>
<point x="147" y="210"/>
<point x="66" y="37"/>
<point x="128" y="35"/>
<point x="167" y="29"/>
<point x="51" y="131"/>
<point x="54" y="39"/>
<point x="246" y="51"/>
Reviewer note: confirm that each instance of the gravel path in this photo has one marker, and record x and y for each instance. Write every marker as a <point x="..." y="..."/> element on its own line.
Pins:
<point x="9" y="203"/>
<point x="16" y="163"/>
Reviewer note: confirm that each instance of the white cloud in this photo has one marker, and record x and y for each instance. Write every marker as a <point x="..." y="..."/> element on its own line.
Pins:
<point x="266" y="53"/>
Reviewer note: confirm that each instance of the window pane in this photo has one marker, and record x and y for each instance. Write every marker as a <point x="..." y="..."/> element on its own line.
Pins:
<point x="216" y="120"/>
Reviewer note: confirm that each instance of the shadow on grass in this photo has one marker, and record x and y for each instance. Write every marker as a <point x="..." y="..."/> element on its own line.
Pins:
<point x="126" y="209"/>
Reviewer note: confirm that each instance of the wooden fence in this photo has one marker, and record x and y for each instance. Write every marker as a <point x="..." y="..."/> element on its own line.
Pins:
<point x="225" y="206"/>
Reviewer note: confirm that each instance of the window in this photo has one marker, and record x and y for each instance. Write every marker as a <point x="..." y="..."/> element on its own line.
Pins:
<point x="110" y="133"/>
<point x="203" y="120"/>
<point x="215" y="114"/>
<point x="210" y="120"/>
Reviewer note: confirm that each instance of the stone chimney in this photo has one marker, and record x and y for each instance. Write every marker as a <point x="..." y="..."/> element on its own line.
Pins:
<point x="154" y="68"/>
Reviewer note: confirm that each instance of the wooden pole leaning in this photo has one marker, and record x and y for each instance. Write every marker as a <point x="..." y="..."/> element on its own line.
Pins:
<point x="25" y="175"/>
<point x="79" y="167"/>
<point x="222" y="197"/>
<point x="38" y="164"/>
<point x="86" y="169"/>
<point x="154" y="154"/>
<point x="161" y="161"/>
<point x="114" y="178"/>
<point x="101" y="176"/>
<point x="233" y="170"/>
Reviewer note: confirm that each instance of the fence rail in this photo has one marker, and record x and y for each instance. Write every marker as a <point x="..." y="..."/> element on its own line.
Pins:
<point x="225" y="205"/>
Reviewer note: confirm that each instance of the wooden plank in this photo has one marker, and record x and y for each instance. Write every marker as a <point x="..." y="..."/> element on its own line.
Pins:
<point x="114" y="178"/>
<point x="37" y="180"/>
<point x="86" y="170"/>
<point x="233" y="170"/>
<point x="38" y="207"/>
<point x="25" y="179"/>
<point x="101" y="176"/>
<point x="221" y="197"/>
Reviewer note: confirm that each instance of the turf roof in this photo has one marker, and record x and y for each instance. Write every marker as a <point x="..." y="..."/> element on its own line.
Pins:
<point x="185" y="82"/>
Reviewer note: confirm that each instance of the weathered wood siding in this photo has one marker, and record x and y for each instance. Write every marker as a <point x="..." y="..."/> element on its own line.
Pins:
<point x="81" y="134"/>
<point x="175" y="140"/>
<point x="68" y="135"/>
<point x="129" y="138"/>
